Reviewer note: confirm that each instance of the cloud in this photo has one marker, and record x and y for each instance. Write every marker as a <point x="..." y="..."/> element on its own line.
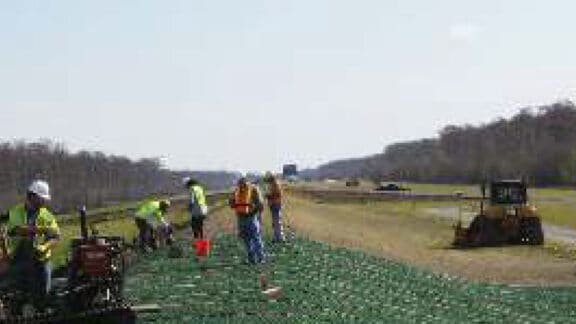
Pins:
<point x="464" y="31"/>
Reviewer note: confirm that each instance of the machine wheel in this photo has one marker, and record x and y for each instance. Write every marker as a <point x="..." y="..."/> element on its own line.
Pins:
<point x="484" y="231"/>
<point x="531" y="231"/>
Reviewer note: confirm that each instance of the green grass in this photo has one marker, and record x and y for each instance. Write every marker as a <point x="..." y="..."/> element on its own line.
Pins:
<point x="556" y="205"/>
<point x="563" y="214"/>
<point x="467" y="189"/>
<point x="329" y="285"/>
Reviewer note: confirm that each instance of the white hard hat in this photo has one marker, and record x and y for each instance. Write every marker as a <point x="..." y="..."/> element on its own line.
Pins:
<point x="185" y="180"/>
<point x="40" y="188"/>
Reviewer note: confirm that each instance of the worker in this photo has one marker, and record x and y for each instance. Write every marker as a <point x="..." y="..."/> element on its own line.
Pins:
<point x="198" y="207"/>
<point x="260" y="184"/>
<point x="274" y="198"/>
<point x="152" y="224"/>
<point x="32" y="235"/>
<point x="247" y="203"/>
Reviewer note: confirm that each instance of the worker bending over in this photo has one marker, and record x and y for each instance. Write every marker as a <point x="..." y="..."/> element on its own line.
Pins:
<point x="152" y="224"/>
<point x="33" y="233"/>
<point x="247" y="203"/>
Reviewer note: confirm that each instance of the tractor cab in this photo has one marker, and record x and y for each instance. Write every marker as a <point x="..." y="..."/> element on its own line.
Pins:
<point x="507" y="197"/>
<point x="508" y="192"/>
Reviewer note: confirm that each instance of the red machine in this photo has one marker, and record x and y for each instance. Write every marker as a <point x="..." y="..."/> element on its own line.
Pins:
<point x="93" y="288"/>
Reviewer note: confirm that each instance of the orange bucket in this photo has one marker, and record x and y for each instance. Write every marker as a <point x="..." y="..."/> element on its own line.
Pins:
<point x="202" y="247"/>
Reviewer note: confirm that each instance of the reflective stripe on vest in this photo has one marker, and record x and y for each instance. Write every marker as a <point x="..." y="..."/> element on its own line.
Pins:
<point x="199" y="197"/>
<point x="45" y="225"/>
<point x="243" y="200"/>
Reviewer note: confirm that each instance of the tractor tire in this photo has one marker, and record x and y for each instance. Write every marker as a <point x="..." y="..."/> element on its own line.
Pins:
<point x="474" y="232"/>
<point x="484" y="231"/>
<point x="531" y="231"/>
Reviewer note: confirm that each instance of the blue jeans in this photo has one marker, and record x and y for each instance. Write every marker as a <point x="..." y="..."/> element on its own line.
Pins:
<point x="144" y="233"/>
<point x="30" y="275"/>
<point x="276" y="211"/>
<point x="259" y="218"/>
<point x="249" y="230"/>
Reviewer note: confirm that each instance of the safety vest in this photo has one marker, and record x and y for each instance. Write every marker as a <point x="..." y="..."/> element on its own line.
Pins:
<point x="199" y="196"/>
<point x="151" y="212"/>
<point x="275" y="195"/>
<point x="45" y="226"/>
<point x="243" y="200"/>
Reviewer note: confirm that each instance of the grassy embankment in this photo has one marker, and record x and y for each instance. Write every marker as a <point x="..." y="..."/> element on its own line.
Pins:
<point x="325" y="284"/>
<point x="556" y="205"/>
<point x="407" y="232"/>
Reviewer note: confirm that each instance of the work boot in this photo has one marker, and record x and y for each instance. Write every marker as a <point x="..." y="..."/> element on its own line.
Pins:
<point x="170" y="241"/>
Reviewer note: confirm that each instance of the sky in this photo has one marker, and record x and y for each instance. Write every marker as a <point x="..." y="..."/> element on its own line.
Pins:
<point x="250" y="85"/>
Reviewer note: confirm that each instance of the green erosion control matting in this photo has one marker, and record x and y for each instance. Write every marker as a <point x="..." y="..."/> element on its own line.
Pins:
<point x="324" y="284"/>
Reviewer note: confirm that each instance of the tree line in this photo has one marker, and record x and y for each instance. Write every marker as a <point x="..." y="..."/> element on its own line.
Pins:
<point x="91" y="178"/>
<point x="537" y="144"/>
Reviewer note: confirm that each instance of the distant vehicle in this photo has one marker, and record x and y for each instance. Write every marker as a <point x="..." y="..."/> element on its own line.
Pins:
<point x="292" y="179"/>
<point x="290" y="172"/>
<point x="390" y="187"/>
<point x="352" y="182"/>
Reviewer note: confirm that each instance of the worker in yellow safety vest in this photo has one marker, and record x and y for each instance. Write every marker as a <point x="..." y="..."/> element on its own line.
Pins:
<point x="247" y="203"/>
<point x="197" y="206"/>
<point x="32" y="234"/>
<point x="152" y="224"/>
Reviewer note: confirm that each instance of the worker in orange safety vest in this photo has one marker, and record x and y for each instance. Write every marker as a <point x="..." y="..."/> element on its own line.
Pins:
<point x="247" y="203"/>
<point x="274" y="196"/>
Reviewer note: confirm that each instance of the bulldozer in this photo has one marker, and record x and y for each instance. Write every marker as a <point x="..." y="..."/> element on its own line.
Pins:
<point x="509" y="219"/>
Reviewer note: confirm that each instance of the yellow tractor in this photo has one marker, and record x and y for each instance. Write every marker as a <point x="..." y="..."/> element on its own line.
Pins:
<point x="508" y="219"/>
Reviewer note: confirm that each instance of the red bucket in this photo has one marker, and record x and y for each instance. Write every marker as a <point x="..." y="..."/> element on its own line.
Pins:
<point x="202" y="247"/>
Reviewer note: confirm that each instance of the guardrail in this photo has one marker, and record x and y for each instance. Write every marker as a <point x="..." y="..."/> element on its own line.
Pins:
<point x="354" y="195"/>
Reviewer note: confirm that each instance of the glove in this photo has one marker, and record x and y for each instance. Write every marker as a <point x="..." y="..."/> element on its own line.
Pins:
<point x="41" y="249"/>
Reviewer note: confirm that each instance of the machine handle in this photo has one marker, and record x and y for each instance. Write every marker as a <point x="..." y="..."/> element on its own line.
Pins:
<point x="83" y="227"/>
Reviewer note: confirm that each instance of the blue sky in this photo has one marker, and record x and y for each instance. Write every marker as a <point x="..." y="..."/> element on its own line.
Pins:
<point x="250" y="85"/>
